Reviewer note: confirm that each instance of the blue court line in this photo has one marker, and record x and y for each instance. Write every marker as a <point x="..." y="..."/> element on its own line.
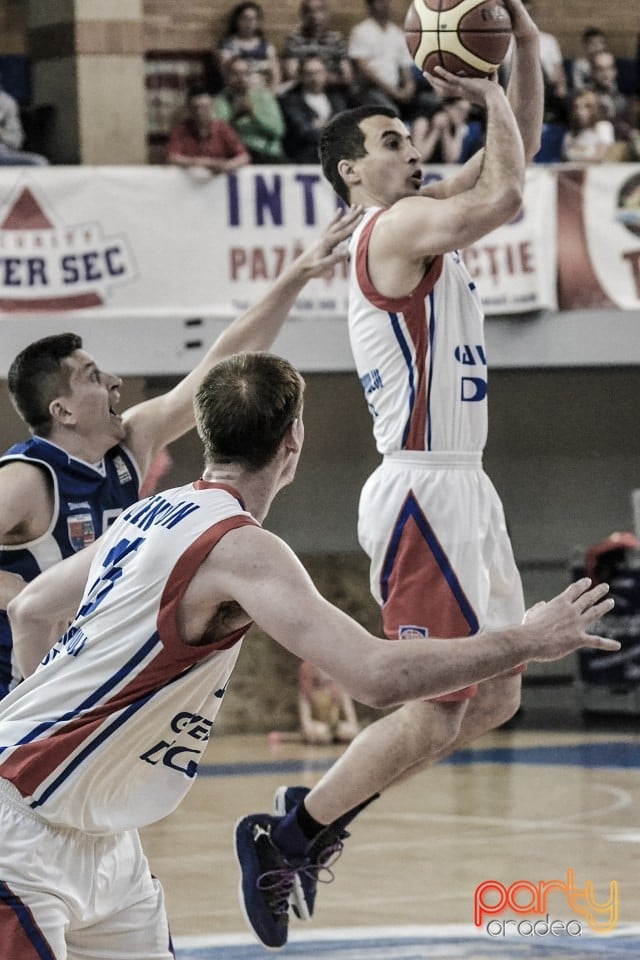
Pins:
<point x="614" y="754"/>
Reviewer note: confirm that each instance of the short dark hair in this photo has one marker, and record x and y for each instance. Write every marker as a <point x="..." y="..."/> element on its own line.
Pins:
<point x="236" y="12"/>
<point x="244" y="406"/>
<point x="197" y="89"/>
<point x="590" y="32"/>
<point x="342" y="139"/>
<point x="38" y="375"/>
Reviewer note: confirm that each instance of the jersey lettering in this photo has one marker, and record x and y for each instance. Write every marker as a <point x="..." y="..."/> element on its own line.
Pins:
<point x="104" y="584"/>
<point x="473" y="388"/>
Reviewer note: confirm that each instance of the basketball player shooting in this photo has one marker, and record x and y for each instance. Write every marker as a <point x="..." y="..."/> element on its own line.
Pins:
<point x="429" y="517"/>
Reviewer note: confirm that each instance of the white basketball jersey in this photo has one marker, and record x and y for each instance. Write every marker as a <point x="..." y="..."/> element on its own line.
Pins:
<point x="108" y="732"/>
<point x="420" y="358"/>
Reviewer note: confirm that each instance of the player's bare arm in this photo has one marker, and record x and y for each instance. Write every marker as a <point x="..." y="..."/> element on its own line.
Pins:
<point x="40" y="613"/>
<point x="157" y="422"/>
<point x="417" y="228"/>
<point x="26" y="509"/>
<point x="525" y="93"/>
<point x="526" y="87"/>
<point x="264" y="577"/>
<point x="26" y="502"/>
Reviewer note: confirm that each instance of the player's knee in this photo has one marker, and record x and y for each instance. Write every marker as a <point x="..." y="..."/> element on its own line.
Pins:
<point x="433" y="726"/>
<point x="507" y="703"/>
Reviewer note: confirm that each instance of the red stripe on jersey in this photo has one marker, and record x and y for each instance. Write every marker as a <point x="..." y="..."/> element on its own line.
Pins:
<point x="179" y="580"/>
<point x="391" y="304"/>
<point x="29" y="766"/>
<point x="414" y="309"/>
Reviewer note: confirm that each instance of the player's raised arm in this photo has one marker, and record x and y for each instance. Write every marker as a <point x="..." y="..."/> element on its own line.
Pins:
<point x="419" y="227"/>
<point x="525" y="89"/>
<point x="157" y="422"/>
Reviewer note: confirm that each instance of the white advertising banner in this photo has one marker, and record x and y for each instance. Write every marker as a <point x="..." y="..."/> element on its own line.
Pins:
<point x="141" y="248"/>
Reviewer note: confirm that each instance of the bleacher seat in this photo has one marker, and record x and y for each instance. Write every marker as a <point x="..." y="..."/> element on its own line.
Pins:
<point x="628" y="76"/>
<point x="15" y="74"/>
<point x="550" y="143"/>
<point x="473" y="140"/>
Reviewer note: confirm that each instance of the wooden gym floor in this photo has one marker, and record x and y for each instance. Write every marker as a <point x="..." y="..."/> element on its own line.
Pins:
<point x="523" y="806"/>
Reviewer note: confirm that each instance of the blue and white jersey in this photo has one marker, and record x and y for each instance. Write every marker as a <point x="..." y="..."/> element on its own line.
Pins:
<point x="420" y="358"/>
<point x="86" y="500"/>
<point x="108" y="732"/>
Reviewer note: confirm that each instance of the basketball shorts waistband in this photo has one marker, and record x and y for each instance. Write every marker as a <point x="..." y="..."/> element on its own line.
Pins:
<point x="10" y="795"/>
<point x="447" y="459"/>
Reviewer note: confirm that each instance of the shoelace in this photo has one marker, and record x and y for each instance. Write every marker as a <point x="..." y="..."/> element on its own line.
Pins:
<point x="320" y="869"/>
<point x="278" y="886"/>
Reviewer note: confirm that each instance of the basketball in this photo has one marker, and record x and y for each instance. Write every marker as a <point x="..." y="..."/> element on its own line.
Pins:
<point x="467" y="37"/>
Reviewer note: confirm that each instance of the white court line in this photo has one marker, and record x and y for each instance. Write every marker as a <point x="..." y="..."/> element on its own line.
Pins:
<point x="434" y="932"/>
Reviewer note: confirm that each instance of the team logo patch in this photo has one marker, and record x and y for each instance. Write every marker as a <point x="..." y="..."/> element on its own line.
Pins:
<point x="411" y="632"/>
<point x="81" y="530"/>
<point x="124" y="475"/>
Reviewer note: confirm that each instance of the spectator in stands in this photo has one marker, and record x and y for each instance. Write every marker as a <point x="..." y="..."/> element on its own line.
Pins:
<point x="253" y="112"/>
<point x="440" y="138"/>
<point x="202" y="141"/>
<point x="314" y="38"/>
<point x="594" y="41"/>
<point x="614" y="105"/>
<point x="244" y="37"/>
<point x="384" y="66"/>
<point x="326" y="712"/>
<point x="12" y="136"/>
<point x="307" y="107"/>
<point x="589" y="138"/>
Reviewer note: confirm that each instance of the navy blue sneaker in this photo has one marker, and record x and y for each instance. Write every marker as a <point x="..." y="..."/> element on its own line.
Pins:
<point x="267" y="880"/>
<point x="320" y="855"/>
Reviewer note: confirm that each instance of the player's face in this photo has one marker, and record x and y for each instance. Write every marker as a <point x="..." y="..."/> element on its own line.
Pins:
<point x="390" y="169"/>
<point x="93" y="398"/>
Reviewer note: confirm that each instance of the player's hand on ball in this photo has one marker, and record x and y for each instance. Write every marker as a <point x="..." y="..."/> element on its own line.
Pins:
<point x="474" y="89"/>
<point x="522" y="23"/>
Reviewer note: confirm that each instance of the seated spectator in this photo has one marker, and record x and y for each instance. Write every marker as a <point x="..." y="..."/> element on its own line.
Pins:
<point x="253" y="112"/>
<point x="614" y="105"/>
<point x="440" y="138"/>
<point x="201" y="141"/>
<point x="325" y="710"/>
<point x="244" y="37"/>
<point x="383" y="63"/>
<point x="307" y="107"/>
<point x="12" y="136"/>
<point x="314" y="38"/>
<point x="588" y="139"/>
<point x="594" y="41"/>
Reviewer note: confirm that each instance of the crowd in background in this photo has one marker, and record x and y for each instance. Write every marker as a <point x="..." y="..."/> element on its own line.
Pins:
<point x="278" y="100"/>
<point x="260" y="103"/>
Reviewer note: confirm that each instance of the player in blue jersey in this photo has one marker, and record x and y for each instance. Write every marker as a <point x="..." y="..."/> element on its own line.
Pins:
<point x="84" y="461"/>
<point x="106" y="734"/>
